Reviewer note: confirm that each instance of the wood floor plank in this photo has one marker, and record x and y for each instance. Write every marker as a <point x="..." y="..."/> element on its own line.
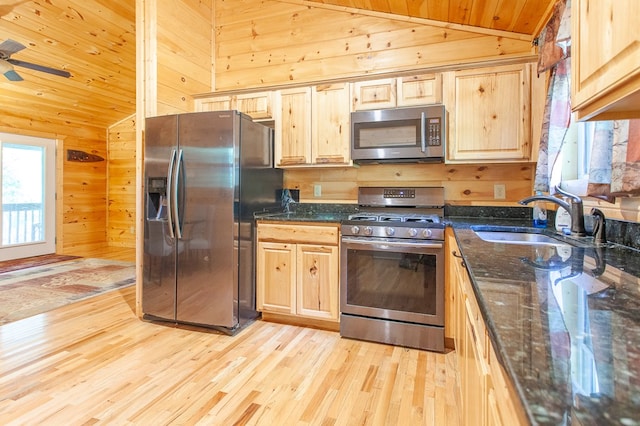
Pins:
<point x="95" y="362"/>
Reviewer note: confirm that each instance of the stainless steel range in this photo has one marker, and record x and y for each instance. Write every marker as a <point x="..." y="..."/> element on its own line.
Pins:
<point x="392" y="268"/>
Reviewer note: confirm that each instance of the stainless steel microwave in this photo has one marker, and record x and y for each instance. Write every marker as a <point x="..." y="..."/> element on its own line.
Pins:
<point x="415" y="134"/>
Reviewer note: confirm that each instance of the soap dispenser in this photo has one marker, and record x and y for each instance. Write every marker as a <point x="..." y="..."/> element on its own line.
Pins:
<point x="539" y="213"/>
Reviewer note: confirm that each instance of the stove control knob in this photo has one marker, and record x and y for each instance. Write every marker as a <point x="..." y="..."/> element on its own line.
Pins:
<point x="389" y="231"/>
<point x="426" y="233"/>
<point x="413" y="232"/>
<point x="368" y="230"/>
<point x="355" y="229"/>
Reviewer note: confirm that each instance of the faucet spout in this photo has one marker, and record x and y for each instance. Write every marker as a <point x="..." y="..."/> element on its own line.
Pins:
<point x="574" y="207"/>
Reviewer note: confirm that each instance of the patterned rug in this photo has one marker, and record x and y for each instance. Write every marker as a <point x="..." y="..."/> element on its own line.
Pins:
<point x="30" y="262"/>
<point x="32" y="291"/>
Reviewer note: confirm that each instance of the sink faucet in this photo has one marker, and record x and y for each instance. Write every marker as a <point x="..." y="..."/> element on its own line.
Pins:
<point x="574" y="207"/>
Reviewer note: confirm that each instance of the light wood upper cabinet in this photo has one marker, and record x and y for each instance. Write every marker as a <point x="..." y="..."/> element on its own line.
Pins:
<point x="312" y="126"/>
<point x="489" y="114"/>
<point x="297" y="271"/>
<point x="423" y="89"/>
<point x="605" y="74"/>
<point x="420" y="89"/>
<point x="256" y="105"/>
<point x="215" y="103"/>
<point x="375" y="94"/>
<point x="331" y="141"/>
<point x="293" y="127"/>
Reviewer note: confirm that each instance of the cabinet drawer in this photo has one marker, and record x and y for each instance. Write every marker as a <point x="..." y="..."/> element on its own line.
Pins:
<point x="289" y="233"/>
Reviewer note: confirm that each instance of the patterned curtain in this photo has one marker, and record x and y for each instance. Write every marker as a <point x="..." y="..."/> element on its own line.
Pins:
<point x="555" y="40"/>
<point x="615" y="158"/>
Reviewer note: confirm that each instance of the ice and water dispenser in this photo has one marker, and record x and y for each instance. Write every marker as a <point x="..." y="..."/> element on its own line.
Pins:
<point x="157" y="198"/>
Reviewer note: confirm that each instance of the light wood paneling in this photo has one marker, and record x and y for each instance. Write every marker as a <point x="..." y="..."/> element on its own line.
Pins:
<point x="84" y="196"/>
<point x="523" y="16"/>
<point x="93" y="40"/>
<point x="95" y="362"/>
<point x="121" y="189"/>
<point x="464" y="184"/>
<point x="314" y="43"/>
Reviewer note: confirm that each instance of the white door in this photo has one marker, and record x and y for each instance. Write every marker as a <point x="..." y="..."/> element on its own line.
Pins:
<point x="27" y="208"/>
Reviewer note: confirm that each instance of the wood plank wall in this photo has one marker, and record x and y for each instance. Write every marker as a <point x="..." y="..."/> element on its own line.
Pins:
<point x="121" y="188"/>
<point x="465" y="184"/>
<point x="84" y="195"/>
<point x="266" y="42"/>
<point x="81" y="206"/>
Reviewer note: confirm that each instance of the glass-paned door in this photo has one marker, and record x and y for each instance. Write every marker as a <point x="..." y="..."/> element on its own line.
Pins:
<point x="27" y="195"/>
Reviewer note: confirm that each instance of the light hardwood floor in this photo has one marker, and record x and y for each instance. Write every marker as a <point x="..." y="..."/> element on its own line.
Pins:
<point x="95" y="362"/>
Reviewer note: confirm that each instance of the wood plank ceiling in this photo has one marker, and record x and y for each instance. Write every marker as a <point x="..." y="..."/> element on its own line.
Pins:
<point x="95" y="41"/>
<point x="517" y="16"/>
<point x="92" y="39"/>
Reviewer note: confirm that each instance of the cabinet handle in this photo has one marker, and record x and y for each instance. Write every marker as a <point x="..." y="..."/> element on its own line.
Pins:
<point x="459" y="256"/>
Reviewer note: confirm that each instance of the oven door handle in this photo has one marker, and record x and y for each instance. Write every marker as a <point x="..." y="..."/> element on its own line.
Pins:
<point x="385" y="245"/>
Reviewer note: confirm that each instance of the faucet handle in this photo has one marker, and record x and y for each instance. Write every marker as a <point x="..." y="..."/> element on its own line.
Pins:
<point x="599" y="230"/>
<point x="574" y="198"/>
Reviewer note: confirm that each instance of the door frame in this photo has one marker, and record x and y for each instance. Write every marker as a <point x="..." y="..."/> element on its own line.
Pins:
<point x="52" y="202"/>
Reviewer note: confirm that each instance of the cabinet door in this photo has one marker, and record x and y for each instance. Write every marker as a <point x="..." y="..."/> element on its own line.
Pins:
<point x="420" y="90"/>
<point x="475" y="371"/>
<point x="605" y="74"/>
<point x="373" y="94"/>
<point x="489" y="114"/>
<point x="331" y="120"/>
<point x="293" y="127"/>
<point x="275" y="277"/>
<point x="256" y="105"/>
<point x="218" y="103"/>
<point x="317" y="274"/>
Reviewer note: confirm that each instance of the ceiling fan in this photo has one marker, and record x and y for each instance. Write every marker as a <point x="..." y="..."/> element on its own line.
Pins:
<point x="8" y="48"/>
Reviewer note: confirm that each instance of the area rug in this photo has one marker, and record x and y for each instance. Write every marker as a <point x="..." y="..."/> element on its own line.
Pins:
<point x="30" y="262"/>
<point x="35" y="290"/>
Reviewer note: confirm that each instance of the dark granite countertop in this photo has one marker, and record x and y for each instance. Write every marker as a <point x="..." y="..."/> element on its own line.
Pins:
<point x="311" y="212"/>
<point x="565" y="322"/>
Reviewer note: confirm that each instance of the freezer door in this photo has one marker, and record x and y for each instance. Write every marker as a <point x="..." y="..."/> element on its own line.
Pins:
<point x="207" y="270"/>
<point x="160" y="247"/>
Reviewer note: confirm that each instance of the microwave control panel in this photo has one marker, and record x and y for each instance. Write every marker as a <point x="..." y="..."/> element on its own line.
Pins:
<point x="434" y="131"/>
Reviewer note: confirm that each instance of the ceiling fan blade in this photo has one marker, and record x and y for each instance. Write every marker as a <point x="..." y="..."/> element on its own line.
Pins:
<point x="11" y="46"/>
<point x="13" y="76"/>
<point x="42" y="68"/>
<point x="7" y="70"/>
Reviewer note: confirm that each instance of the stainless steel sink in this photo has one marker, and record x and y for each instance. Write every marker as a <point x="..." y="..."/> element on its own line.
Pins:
<point x="509" y="237"/>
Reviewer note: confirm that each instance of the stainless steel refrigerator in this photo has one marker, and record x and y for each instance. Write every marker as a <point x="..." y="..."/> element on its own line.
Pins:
<point x="205" y="175"/>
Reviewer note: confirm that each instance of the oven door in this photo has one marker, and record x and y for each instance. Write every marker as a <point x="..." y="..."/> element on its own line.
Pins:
<point x="400" y="280"/>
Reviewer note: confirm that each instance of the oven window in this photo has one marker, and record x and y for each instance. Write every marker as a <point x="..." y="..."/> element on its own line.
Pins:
<point x="387" y="134"/>
<point x="403" y="282"/>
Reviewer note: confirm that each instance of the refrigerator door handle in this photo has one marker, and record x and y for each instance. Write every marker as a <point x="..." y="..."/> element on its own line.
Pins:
<point x="170" y="201"/>
<point x="176" y="186"/>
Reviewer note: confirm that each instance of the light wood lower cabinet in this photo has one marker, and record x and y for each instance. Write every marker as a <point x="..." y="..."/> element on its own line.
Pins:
<point x="486" y="394"/>
<point x="297" y="271"/>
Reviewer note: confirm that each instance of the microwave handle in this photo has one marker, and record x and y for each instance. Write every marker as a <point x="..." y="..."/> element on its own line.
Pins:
<point x="423" y="131"/>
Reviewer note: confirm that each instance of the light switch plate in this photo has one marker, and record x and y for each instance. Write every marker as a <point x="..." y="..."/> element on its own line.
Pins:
<point x="317" y="190"/>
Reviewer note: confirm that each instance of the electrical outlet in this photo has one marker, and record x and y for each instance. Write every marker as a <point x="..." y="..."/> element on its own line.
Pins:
<point x="499" y="191"/>
<point x="317" y="190"/>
